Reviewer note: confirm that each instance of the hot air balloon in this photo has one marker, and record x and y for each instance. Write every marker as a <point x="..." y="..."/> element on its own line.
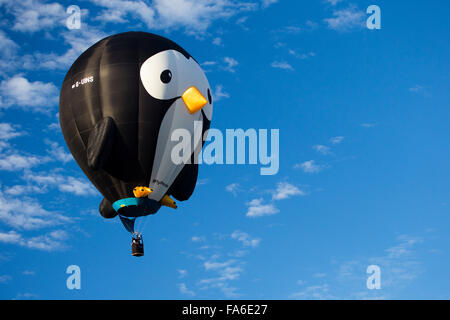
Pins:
<point x="120" y="102"/>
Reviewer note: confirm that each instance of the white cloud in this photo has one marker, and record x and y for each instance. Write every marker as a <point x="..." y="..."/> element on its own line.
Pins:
<point x="27" y="214"/>
<point x="184" y="290"/>
<point x="266" y="3"/>
<point x="54" y="126"/>
<point x="10" y="237"/>
<point x="221" y="272"/>
<point x="316" y="292"/>
<point x="77" y="186"/>
<point x="399" y="265"/>
<point x="17" y="190"/>
<point x="77" y="40"/>
<point x="233" y="188"/>
<point x="302" y="56"/>
<point x="182" y="273"/>
<point x="322" y="149"/>
<point x="5" y="278"/>
<point x="202" y="182"/>
<point x="4" y="145"/>
<point x="28" y="273"/>
<point x="34" y="96"/>
<point x="256" y="208"/>
<point x="230" y="64"/>
<point x="289" y="30"/>
<point x="226" y="271"/>
<point x="26" y="295"/>
<point x="285" y="190"/>
<point x="337" y="139"/>
<point x="211" y="265"/>
<point x="35" y="15"/>
<point x="219" y="93"/>
<point x="416" y="88"/>
<point x="116" y="11"/>
<point x="217" y="41"/>
<point x="309" y="166"/>
<point x="58" y="152"/>
<point x="208" y="63"/>
<point x="198" y="239"/>
<point x="48" y="242"/>
<point x="346" y="19"/>
<point x="172" y="14"/>
<point x="15" y="162"/>
<point x="7" y="46"/>
<point x="333" y="2"/>
<point x="281" y="65"/>
<point x="245" y="239"/>
<point x="9" y="131"/>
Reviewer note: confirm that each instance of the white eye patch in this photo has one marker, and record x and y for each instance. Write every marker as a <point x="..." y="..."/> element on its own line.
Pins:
<point x="167" y="74"/>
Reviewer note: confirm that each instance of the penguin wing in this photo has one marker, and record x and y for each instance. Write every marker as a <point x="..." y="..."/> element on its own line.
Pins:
<point x="106" y="209"/>
<point x="100" y="143"/>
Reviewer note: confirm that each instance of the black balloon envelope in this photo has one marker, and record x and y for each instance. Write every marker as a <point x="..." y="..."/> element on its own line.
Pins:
<point x="120" y="102"/>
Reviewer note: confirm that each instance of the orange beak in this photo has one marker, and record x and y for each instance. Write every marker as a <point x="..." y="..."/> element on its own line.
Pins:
<point x="193" y="100"/>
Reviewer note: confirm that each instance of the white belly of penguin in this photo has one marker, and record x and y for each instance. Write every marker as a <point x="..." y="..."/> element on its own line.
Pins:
<point x="165" y="170"/>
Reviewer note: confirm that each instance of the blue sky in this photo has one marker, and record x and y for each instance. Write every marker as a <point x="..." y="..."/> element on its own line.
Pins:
<point x="364" y="148"/>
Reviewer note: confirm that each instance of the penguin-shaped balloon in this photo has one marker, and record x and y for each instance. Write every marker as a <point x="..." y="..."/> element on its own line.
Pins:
<point x="120" y="103"/>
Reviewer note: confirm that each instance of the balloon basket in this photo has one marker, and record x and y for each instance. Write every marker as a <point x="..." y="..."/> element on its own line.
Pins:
<point x="137" y="249"/>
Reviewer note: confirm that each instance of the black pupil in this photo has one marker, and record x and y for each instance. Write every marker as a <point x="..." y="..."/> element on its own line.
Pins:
<point x="166" y="76"/>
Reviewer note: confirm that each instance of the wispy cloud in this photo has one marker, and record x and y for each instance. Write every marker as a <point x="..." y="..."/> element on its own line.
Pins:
<point x="309" y="166"/>
<point x="15" y="162"/>
<point x="58" y="152"/>
<point x="286" y="190"/>
<point x="416" y="88"/>
<point x="333" y="2"/>
<point x="25" y="213"/>
<point x="7" y="46"/>
<point x="220" y="265"/>
<point x="346" y="19"/>
<point x="281" y="65"/>
<point x="5" y="278"/>
<point x="182" y="273"/>
<point x="162" y="14"/>
<point x="35" y="15"/>
<point x="219" y="93"/>
<point x="399" y="265"/>
<point x="257" y="208"/>
<point x="266" y="3"/>
<point x="230" y="64"/>
<point x="225" y="271"/>
<point x="9" y="131"/>
<point x="54" y="240"/>
<point x="337" y="139"/>
<point x="69" y="184"/>
<point x="322" y="149"/>
<point x="77" y="42"/>
<point x="245" y="238"/>
<point x="34" y="96"/>
<point x="217" y="41"/>
<point x="315" y="292"/>
<point x="184" y="290"/>
<point x="28" y="273"/>
<point x="234" y="188"/>
<point x="197" y="238"/>
<point x="302" y="56"/>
